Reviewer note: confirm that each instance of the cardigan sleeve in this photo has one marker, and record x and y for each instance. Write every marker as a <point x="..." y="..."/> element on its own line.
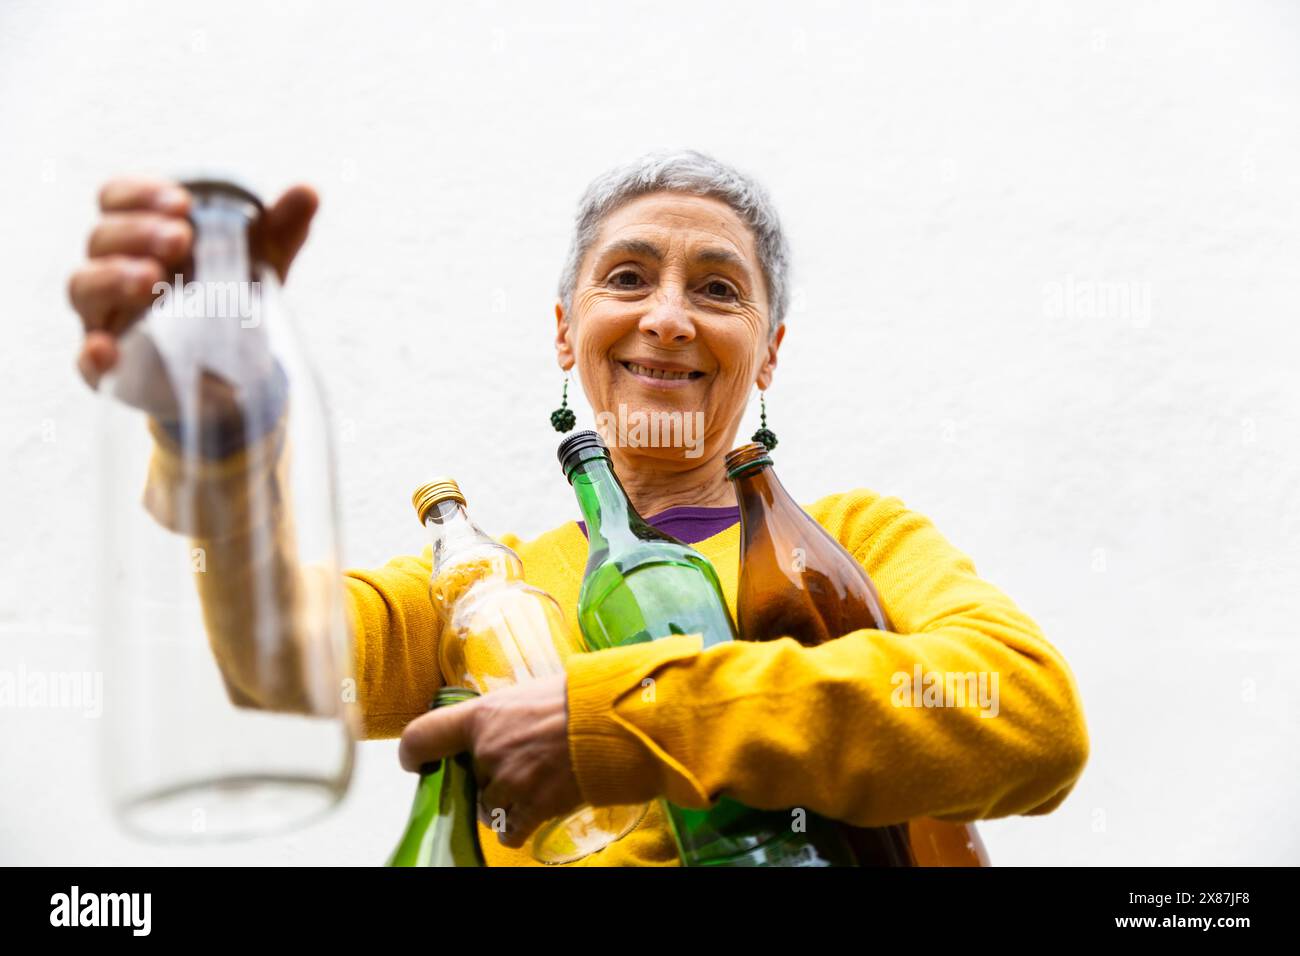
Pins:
<point x="257" y="596"/>
<point x="396" y="633"/>
<point x="269" y="620"/>
<point x="838" y="728"/>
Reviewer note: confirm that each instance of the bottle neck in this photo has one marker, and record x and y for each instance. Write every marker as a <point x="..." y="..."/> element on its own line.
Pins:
<point x="606" y="509"/>
<point x="454" y="537"/>
<point x="443" y="830"/>
<point x="221" y="251"/>
<point x="227" y="258"/>
<point x="758" y="490"/>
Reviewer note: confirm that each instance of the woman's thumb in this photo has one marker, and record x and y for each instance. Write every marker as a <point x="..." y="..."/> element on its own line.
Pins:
<point x="285" y="225"/>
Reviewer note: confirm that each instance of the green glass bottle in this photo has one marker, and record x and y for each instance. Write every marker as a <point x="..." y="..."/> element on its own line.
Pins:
<point x="640" y="585"/>
<point x="443" y="829"/>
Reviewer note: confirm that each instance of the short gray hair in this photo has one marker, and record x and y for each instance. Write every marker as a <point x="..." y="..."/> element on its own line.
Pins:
<point x="686" y="171"/>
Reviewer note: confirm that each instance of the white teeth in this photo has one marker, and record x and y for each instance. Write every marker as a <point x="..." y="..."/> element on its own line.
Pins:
<point x="656" y="372"/>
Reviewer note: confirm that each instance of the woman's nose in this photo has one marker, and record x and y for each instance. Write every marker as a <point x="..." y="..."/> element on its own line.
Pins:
<point x="669" y="319"/>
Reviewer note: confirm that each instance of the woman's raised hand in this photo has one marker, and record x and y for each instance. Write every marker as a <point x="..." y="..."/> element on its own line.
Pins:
<point x="143" y="237"/>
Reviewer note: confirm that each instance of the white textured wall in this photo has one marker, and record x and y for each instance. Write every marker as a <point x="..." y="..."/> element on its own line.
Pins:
<point x="1129" y="474"/>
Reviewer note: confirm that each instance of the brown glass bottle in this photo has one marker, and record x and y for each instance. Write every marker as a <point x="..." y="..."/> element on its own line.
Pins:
<point x="798" y="581"/>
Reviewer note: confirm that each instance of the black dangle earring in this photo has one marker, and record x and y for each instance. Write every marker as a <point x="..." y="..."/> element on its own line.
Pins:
<point x="563" y="419"/>
<point x="764" y="436"/>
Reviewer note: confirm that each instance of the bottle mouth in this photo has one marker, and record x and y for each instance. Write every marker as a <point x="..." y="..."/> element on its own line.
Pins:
<point x="205" y="186"/>
<point x="746" y="457"/>
<point x="226" y="208"/>
<point x="579" y="447"/>
<point x="435" y="492"/>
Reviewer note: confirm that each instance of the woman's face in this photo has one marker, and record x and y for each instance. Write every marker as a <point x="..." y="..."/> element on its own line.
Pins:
<point x="669" y="325"/>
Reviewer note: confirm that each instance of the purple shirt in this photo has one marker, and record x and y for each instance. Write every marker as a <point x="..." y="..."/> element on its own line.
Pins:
<point x="689" y="523"/>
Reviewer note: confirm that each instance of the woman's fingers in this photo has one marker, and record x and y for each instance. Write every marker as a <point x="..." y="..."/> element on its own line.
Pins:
<point x="438" y="734"/>
<point x="493" y="807"/>
<point x="98" y="355"/>
<point x="519" y="740"/>
<point x="511" y="814"/>
<point x="285" y="226"/>
<point x="138" y="234"/>
<point x="442" y="734"/>
<point x="110" y="292"/>
<point x="142" y="232"/>
<point x="135" y="194"/>
<point x="143" y="238"/>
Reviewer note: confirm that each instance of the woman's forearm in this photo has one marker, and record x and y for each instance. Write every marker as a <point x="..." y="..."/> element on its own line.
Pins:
<point x="840" y="728"/>
<point x="268" y="616"/>
<point x="780" y="725"/>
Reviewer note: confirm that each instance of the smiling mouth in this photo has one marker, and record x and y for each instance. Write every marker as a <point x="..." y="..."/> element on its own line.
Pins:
<point x="669" y="375"/>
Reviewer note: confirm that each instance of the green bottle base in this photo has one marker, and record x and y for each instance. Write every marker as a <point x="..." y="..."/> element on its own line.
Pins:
<point x="731" y="834"/>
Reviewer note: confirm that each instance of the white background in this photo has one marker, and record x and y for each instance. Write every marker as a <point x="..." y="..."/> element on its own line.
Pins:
<point x="1128" y="474"/>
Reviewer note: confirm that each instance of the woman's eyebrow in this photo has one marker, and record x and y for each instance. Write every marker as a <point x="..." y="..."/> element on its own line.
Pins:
<point x="633" y="247"/>
<point x="722" y="257"/>
<point x="709" y="255"/>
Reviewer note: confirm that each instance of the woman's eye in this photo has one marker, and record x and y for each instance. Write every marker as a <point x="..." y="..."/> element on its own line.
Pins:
<point x="626" y="279"/>
<point x="719" y="289"/>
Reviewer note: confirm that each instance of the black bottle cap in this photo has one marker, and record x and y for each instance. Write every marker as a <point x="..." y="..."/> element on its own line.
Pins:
<point x="571" y="449"/>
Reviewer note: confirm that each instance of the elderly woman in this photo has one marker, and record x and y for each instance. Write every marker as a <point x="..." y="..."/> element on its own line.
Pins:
<point x="672" y="301"/>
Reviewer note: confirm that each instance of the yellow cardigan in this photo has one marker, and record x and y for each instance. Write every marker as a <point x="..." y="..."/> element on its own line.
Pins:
<point x="835" y="729"/>
<point x="776" y="724"/>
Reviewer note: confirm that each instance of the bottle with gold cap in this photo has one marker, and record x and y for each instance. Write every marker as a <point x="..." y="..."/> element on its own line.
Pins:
<point x="498" y="630"/>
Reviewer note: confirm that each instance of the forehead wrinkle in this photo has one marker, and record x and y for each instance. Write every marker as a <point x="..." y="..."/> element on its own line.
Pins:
<point x="648" y="212"/>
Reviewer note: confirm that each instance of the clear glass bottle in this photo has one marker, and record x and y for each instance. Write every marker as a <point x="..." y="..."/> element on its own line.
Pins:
<point x="224" y="638"/>
<point x="642" y="585"/>
<point x="499" y="630"/>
